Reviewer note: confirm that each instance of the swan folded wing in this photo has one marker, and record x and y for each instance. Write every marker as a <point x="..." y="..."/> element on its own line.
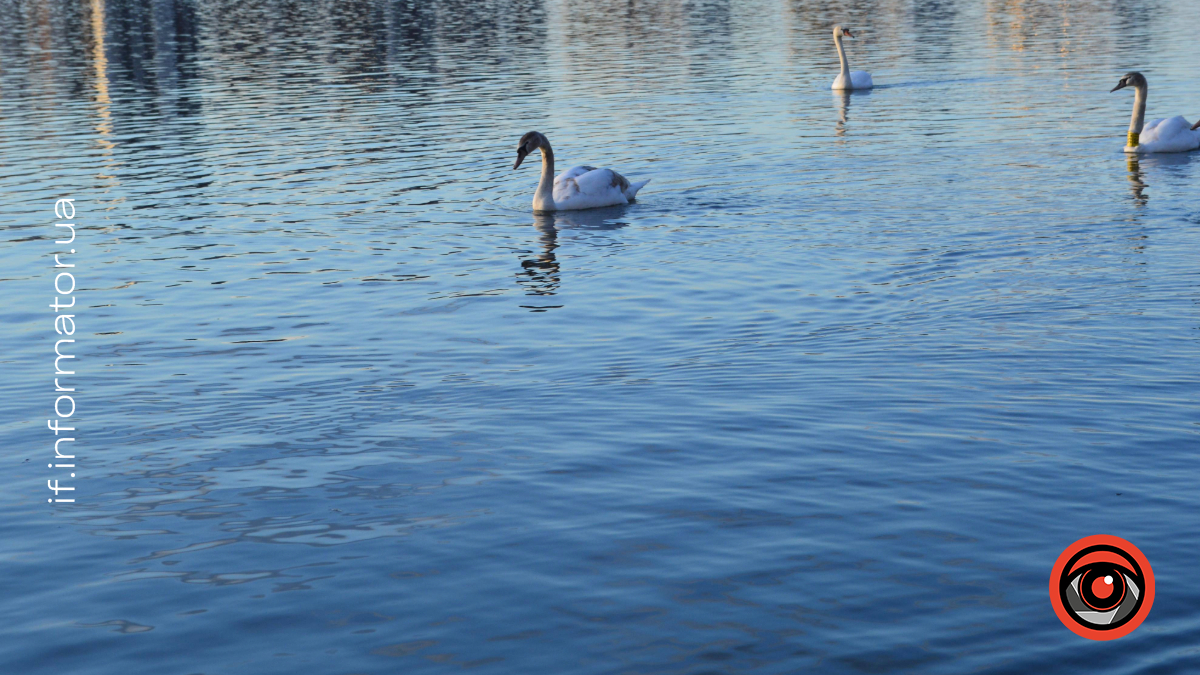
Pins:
<point x="861" y="79"/>
<point x="1173" y="134"/>
<point x="573" y="173"/>
<point x="585" y="187"/>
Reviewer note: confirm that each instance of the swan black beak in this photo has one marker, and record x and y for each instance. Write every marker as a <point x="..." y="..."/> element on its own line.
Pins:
<point x="521" y="153"/>
<point x="1120" y="85"/>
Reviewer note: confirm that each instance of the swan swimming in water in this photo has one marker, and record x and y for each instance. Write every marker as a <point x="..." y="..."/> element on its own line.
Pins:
<point x="1174" y="134"/>
<point x="580" y="187"/>
<point x="859" y="79"/>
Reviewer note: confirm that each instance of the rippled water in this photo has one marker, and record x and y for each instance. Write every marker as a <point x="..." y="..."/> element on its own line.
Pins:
<point x="831" y="397"/>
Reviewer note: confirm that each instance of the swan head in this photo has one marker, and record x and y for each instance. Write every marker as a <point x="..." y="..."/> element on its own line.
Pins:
<point x="1134" y="79"/>
<point x="529" y="142"/>
<point x="838" y="32"/>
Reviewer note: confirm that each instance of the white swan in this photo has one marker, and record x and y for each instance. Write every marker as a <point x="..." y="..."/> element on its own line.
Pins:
<point x="859" y="79"/>
<point x="580" y="187"/>
<point x="1174" y="134"/>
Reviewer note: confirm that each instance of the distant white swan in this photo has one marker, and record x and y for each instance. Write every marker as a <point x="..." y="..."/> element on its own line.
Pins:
<point x="1174" y="134"/>
<point x="580" y="187"/>
<point x="859" y="79"/>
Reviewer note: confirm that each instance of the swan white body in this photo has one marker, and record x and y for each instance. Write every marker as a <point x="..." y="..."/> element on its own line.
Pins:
<point x="1173" y="134"/>
<point x="859" y="79"/>
<point x="585" y="187"/>
<point x="580" y="187"/>
<point x="848" y="79"/>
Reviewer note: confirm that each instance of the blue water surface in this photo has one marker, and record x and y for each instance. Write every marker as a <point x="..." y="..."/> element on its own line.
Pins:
<point x="831" y="397"/>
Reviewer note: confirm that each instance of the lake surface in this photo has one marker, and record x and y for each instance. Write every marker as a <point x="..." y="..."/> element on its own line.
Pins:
<point x="831" y="397"/>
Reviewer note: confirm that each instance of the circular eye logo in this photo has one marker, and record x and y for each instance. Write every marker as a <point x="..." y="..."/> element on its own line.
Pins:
<point x="1102" y="587"/>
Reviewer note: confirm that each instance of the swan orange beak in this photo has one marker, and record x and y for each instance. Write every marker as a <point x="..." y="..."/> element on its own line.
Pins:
<point x="847" y="33"/>
<point x="1196" y="126"/>
<point x="521" y="154"/>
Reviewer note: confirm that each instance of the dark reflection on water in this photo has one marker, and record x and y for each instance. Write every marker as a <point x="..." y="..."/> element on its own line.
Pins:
<point x="542" y="273"/>
<point x="1137" y="184"/>
<point x="542" y="270"/>
<point x="842" y="99"/>
<point x="830" y="397"/>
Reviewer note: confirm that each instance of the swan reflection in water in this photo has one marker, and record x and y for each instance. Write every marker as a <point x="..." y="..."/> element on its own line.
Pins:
<point x="1137" y="166"/>
<point x="1136" y="185"/>
<point x="841" y="101"/>
<point x="541" y="273"/>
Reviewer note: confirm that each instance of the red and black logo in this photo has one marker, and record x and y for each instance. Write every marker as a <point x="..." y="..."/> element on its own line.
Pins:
<point x="1102" y="587"/>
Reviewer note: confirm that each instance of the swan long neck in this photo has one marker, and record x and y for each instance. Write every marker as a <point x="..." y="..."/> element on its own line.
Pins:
<point x="837" y="40"/>
<point x="1139" y="115"/>
<point x="543" y="199"/>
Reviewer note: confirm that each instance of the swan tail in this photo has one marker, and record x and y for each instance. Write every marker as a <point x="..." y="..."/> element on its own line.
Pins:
<point x="632" y="190"/>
